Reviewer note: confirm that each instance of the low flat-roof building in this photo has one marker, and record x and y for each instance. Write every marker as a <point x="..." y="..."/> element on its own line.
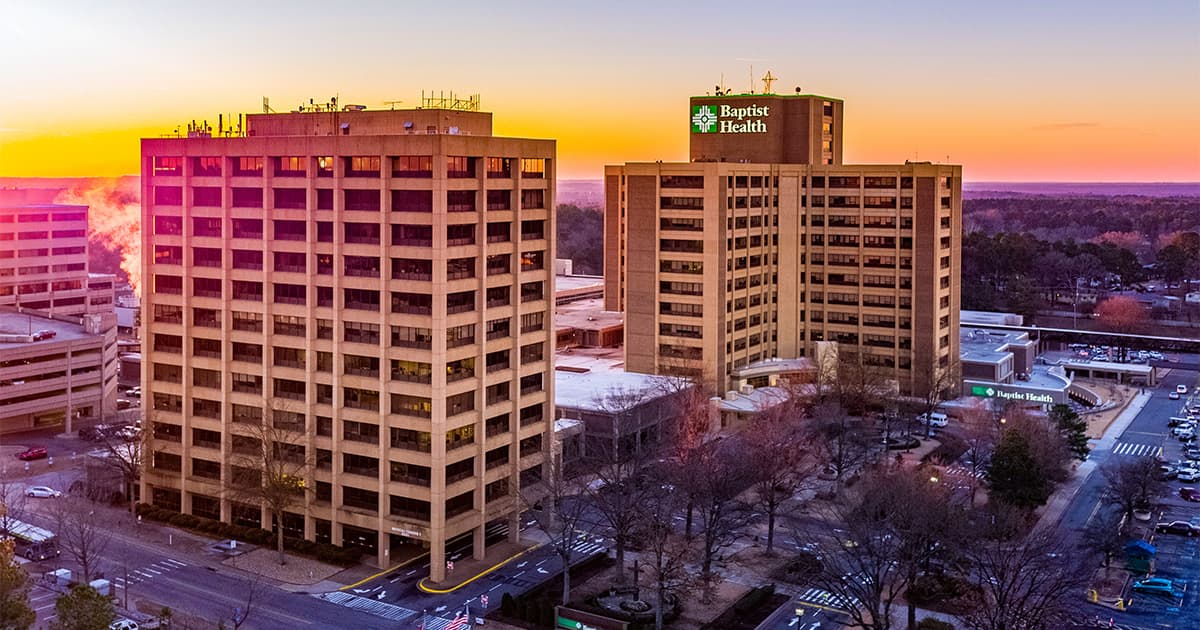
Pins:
<point x="1001" y="364"/>
<point x="619" y="410"/>
<point x="585" y="323"/>
<point x="55" y="370"/>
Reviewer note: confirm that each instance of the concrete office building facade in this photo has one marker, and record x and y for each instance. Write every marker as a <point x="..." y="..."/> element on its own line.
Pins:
<point x="766" y="245"/>
<point x="381" y="279"/>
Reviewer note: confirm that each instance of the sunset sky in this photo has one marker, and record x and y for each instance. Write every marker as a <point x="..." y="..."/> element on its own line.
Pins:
<point x="1014" y="91"/>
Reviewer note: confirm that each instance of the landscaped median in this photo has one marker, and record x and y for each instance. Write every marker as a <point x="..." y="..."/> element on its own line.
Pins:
<point x="1108" y="588"/>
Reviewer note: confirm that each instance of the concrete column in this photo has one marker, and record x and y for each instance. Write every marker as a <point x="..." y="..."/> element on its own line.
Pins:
<point x="514" y="526"/>
<point x="437" y="561"/>
<point x="478" y="549"/>
<point x="383" y="546"/>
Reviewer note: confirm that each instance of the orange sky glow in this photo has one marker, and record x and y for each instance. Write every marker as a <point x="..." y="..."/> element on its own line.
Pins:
<point x="1094" y="91"/>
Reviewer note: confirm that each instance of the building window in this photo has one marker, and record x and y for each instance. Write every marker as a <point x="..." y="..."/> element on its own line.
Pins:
<point x="412" y="201"/>
<point x="499" y="168"/>
<point x="458" y="166"/>
<point x="533" y="168"/>
<point x="413" y="166"/>
<point x="362" y="166"/>
<point x="247" y="166"/>
<point x="362" y="200"/>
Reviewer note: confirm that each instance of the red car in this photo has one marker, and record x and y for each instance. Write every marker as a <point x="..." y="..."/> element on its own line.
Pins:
<point x="36" y="452"/>
<point x="1189" y="494"/>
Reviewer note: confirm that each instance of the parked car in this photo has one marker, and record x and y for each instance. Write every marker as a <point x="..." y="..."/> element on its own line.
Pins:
<point x="936" y="419"/>
<point x="44" y="334"/>
<point x="1192" y="453"/>
<point x="1157" y="586"/>
<point x="1184" y="427"/>
<point x="33" y="452"/>
<point x="124" y="403"/>
<point x="134" y="392"/>
<point x="1175" y="421"/>
<point x="1189" y="494"/>
<point x="1182" y="528"/>
<point x="1189" y="475"/>
<point x="123" y="624"/>
<point x="1168" y="472"/>
<point x="42" y="492"/>
<point x="1173" y="396"/>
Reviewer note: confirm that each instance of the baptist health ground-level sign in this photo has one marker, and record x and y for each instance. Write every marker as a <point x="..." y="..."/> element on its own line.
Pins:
<point x="1016" y="393"/>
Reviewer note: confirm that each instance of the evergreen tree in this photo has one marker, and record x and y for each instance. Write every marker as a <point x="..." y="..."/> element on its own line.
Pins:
<point x="1014" y="476"/>
<point x="15" y="612"/>
<point x="83" y="609"/>
<point x="1073" y="429"/>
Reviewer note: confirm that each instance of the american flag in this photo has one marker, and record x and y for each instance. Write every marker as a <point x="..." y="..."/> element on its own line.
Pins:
<point x="459" y="621"/>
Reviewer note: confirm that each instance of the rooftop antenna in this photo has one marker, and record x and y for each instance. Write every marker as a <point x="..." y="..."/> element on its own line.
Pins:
<point x="751" y="78"/>
<point x="767" y="80"/>
<point x="267" y="106"/>
<point x="392" y="104"/>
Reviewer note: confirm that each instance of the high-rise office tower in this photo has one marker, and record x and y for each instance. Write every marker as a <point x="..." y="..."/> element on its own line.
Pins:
<point x="765" y="244"/>
<point x="376" y="282"/>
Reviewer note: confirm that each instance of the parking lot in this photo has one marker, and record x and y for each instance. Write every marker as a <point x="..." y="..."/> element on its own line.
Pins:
<point x="1178" y="555"/>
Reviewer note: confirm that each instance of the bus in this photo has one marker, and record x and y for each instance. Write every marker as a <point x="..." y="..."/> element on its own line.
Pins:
<point x="30" y="541"/>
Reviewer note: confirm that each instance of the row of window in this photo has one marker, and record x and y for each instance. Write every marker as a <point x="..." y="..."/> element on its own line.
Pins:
<point x="815" y="181"/>
<point x="356" y="365"/>
<point x="418" y="166"/>
<point x="365" y="200"/>
<point x="413" y="235"/>
<point x="352" y="299"/>
<point x="359" y="266"/>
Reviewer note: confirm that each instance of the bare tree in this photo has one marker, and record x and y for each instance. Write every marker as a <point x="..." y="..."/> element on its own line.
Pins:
<point x="688" y="434"/>
<point x="937" y="384"/>
<point x="719" y="472"/>
<point x="1122" y="314"/>
<point x="665" y="551"/>
<point x="840" y="439"/>
<point x="1103" y="535"/>
<point x="123" y="453"/>
<point x="1132" y="482"/>
<point x="12" y="502"/>
<point x="1030" y="584"/>
<point x="559" y="509"/>
<point x="270" y="464"/>
<point x="622" y="479"/>
<point x="82" y="532"/>
<point x="917" y="512"/>
<point x="251" y="591"/>
<point x="980" y="438"/>
<point x="860" y="570"/>
<point x="781" y="461"/>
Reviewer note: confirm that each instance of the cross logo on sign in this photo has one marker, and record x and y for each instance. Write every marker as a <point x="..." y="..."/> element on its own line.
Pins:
<point x="449" y="565"/>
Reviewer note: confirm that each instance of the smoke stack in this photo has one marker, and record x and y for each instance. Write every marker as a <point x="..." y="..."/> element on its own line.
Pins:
<point x="220" y="124"/>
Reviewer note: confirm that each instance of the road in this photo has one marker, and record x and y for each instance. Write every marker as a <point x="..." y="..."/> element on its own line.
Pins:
<point x="395" y="595"/>
<point x="1148" y="436"/>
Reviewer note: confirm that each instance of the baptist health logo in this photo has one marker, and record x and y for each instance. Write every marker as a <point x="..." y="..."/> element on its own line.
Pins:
<point x="704" y="119"/>
<point x="729" y="119"/>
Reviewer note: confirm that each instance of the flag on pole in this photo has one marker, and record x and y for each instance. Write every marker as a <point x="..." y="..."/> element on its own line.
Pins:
<point x="461" y="619"/>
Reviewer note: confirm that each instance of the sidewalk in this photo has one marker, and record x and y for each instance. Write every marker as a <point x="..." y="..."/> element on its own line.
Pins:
<point x="1053" y="512"/>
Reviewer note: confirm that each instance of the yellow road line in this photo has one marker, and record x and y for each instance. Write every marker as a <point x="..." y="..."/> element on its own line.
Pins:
<point x="421" y="583"/>
<point x="385" y="571"/>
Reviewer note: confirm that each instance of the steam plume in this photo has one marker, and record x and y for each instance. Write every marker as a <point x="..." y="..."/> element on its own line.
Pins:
<point x="114" y="219"/>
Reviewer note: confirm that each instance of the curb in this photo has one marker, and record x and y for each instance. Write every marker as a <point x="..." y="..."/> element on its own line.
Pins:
<point x="434" y="591"/>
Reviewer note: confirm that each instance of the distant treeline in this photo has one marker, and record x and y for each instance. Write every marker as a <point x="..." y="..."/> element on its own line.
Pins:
<point x="581" y="238"/>
<point x="1082" y="218"/>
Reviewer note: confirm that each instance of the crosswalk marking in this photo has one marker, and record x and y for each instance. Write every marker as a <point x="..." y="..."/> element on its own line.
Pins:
<point x="824" y="598"/>
<point x="962" y="471"/>
<point x="1137" y="450"/>
<point x="372" y="606"/>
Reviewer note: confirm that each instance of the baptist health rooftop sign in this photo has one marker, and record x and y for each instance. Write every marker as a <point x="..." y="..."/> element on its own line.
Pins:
<point x="1016" y="393"/>
<point x="730" y="119"/>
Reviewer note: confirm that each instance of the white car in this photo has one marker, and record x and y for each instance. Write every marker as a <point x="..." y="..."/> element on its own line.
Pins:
<point x="1188" y="474"/>
<point x="1173" y="396"/>
<point x="42" y="492"/>
<point x="123" y="624"/>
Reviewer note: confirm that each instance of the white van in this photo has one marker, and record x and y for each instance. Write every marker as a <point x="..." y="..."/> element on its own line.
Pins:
<point x="936" y="419"/>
